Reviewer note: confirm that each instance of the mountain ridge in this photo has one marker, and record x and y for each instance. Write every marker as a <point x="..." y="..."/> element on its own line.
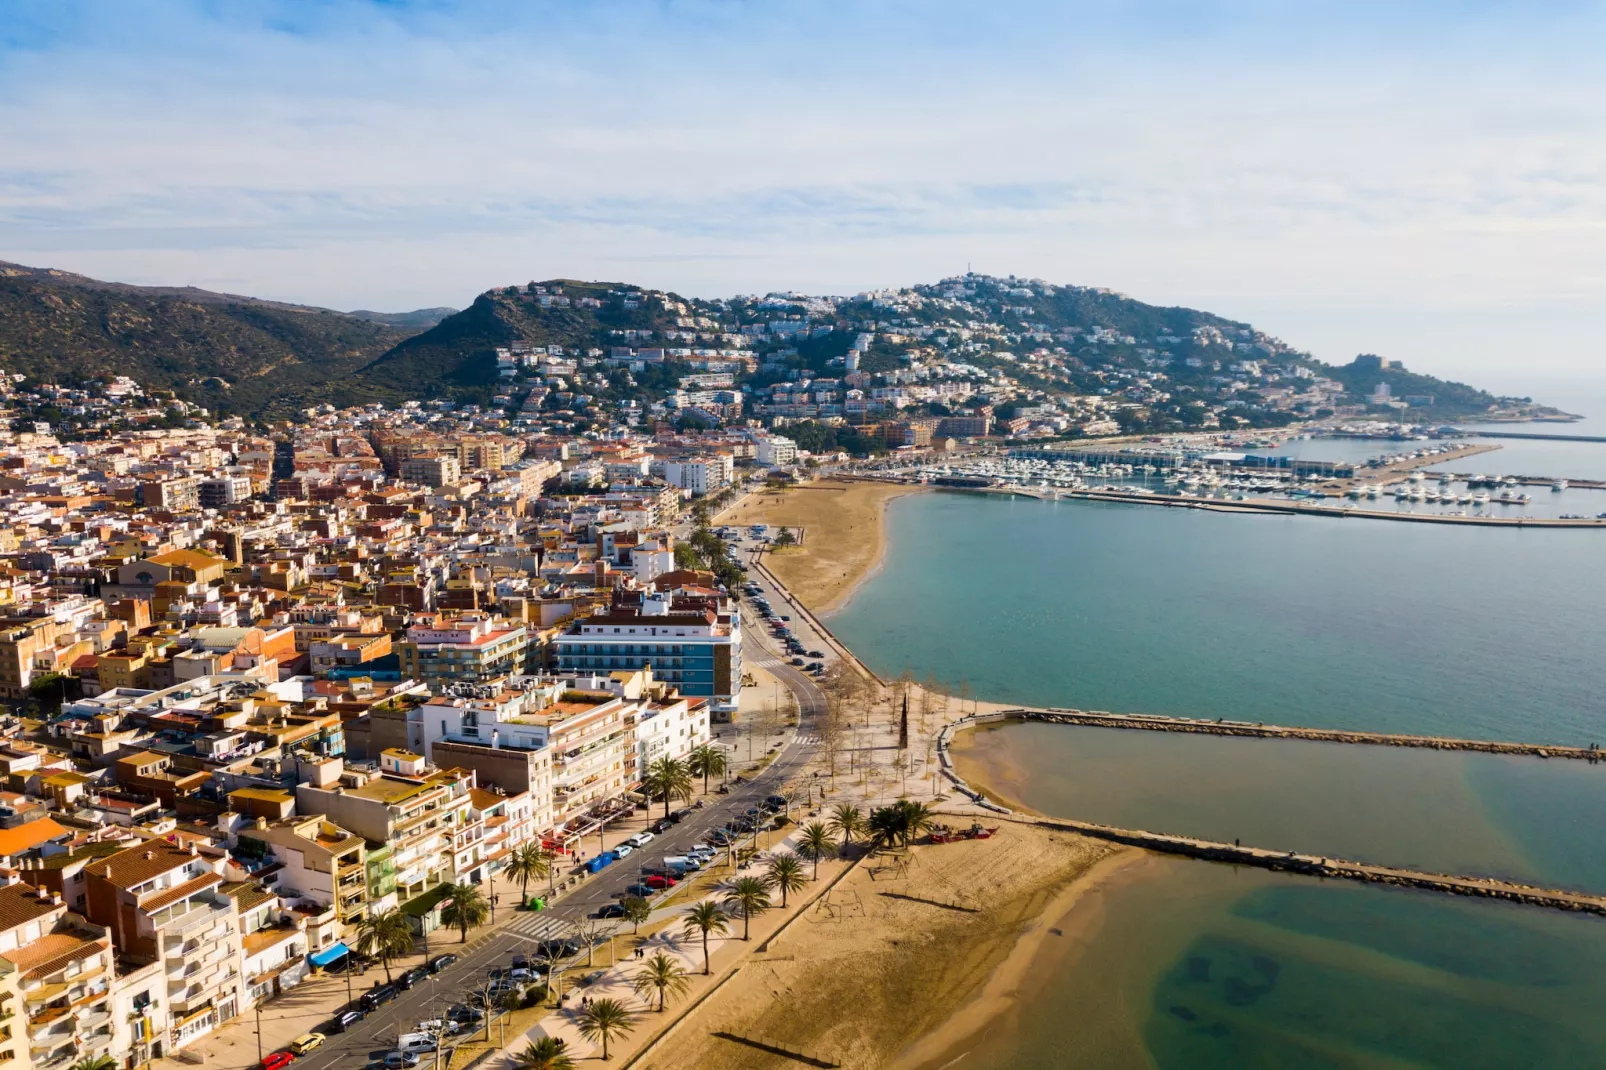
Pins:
<point x="264" y="358"/>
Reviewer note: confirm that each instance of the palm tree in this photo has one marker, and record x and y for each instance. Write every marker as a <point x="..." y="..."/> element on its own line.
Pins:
<point x="529" y="862"/>
<point x="667" y="778"/>
<point x="847" y="821"/>
<point x="543" y="1054"/>
<point x="917" y="816"/>
<point x="706" y="761"/>
<point x="385" y="935"/>
<point x="786" y="873"/>
<point x="887" y="825"/>
<point x="95" y="1062"/>
<point x="815" y="844"/>
<point x="604" y="1019"/>
<point x="663" y="975"/>
<point x="750" y="896"/>
<point x="705" y="918"/>
<point x="467" y="908"/>
<point x="637" y="910"/>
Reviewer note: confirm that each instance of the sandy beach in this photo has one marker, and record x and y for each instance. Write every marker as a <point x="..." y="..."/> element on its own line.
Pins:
<point x="876" y="980"/>
<point x="844" y="524"/>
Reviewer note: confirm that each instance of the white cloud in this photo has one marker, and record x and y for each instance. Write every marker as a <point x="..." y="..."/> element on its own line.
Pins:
<point x="1319" y="172"/>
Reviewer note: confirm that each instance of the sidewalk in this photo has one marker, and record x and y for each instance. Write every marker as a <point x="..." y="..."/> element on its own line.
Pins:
<point x="616" y="981"/>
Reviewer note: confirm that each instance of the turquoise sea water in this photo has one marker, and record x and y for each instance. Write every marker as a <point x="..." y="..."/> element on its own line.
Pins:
<point x="1201" y="967"/>
<point x="1516" y="818"/>
<point x="1480" y="632"/>
<point x="1483" y="633"/>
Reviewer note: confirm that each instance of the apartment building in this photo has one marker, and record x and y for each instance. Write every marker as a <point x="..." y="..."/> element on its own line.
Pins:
<point x="691" y="643"/>
<point x="670" y="729"/>
<point x="418" y="813"/>
<point x="273" y="943"/>
<point x="441" y="471"/>
<point x="319" y="860"/>
<point x="707" y="475"/>
<point x="163" y="903"/>
<point x="473" y="646"/>
<point x="58" y="973"/>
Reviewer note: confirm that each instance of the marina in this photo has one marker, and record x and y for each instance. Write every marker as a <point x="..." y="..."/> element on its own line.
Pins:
<point x="1411" y="486"/>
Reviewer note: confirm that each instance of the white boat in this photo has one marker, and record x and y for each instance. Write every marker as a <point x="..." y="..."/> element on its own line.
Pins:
<point x="1560" y="484"/>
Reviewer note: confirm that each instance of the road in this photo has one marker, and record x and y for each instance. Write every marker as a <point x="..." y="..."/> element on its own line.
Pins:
<point x="516" y="931"/>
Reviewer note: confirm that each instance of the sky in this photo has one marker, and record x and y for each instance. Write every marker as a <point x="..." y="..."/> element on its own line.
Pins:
<point x="1422" y="180"/>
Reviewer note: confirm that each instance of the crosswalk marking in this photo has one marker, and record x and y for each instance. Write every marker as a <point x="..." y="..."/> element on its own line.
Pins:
<point x="538" y="924"/>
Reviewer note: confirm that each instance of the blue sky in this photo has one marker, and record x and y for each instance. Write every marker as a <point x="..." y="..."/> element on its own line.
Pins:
<point x="1422" y="180"/>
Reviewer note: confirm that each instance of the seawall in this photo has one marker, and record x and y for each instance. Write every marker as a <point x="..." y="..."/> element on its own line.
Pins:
<point x="1283" y="861"/>
<point x="1253" y="730"/>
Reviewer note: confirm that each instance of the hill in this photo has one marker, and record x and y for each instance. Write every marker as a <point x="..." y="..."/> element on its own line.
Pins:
<point x="1169" y="367"/>
<point x="420" y="318"/>
<point x="233" y="354"/>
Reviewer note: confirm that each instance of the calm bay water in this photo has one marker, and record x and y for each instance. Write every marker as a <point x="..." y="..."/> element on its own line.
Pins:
<point x="1483" y="633"/>
<point x="1522" y="819"/>
<point x="1479" y="632"/>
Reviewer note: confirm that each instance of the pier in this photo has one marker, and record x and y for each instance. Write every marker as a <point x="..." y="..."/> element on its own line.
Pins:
<point x="1255" y="730"/>
<point x="1533" y="435"/>
<point x="1338" y="868"/>
<point x="1264" y="858"/>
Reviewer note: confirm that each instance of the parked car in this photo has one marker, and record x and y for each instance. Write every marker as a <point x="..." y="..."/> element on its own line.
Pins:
<point x="343" y="1021"/>
<point x="307" y="1042"/>
<point x="623" y="849"/>
<point x="462" y="1013"/>
<point x="677" y="816"/>
<point x="440" y="962"/>
<point x="798" y="662"/>
<point x="720" y="837"/>
<point x="412" y="977"/>
<point x="415" y="1042"/>
<point x="639" y="890"/>
<point x="277" y="1060"/>
<point x="816" y="653"/>
<point x="612" y="910"/>
<point x="640" y="839"/>
<point x="401" y="1060"/>
<point x="662" y="825"/>
<point x="773" y="803"/>
<point x="557" y="948"/>
<point x="378" y="996"/>
<point x="658" y="882"/>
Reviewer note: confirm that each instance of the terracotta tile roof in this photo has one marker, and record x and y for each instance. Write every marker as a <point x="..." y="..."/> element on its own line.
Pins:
<point x="182" y="891"/>
<point x="139" y="864"/>
<point x="248" y="894"/>
<point x="20" y="904"/>
<point x="47" y="948"/>
<point x="64" y="954"/>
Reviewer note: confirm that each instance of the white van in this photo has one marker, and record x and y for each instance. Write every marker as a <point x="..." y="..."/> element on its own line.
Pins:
<point x="412" y="1043"/>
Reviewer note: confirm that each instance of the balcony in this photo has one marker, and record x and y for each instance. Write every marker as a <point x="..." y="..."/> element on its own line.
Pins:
<point x="92" y="1023"/>
<point x="187" y="926"/>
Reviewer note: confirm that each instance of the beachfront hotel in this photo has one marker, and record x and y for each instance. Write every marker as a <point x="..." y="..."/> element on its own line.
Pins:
<point x="693" y="642"/>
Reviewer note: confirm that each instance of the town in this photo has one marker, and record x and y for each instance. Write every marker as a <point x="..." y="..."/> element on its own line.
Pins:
<point x="276" y="685"/>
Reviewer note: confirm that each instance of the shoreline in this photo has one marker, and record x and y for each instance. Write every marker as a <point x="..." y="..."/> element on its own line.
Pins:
<point x="1028" y="967"/>
<point x="877" y="558"/>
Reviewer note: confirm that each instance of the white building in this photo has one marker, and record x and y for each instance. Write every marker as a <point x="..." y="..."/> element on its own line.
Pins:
<point x="775" y="451"/>
<point x="707" y="475"/>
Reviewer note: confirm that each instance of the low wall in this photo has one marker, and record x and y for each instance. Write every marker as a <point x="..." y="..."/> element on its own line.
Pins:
<point x="1255" y="730"/>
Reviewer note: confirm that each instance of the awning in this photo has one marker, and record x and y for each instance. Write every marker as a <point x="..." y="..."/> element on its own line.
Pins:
<point x="328" y="954"/>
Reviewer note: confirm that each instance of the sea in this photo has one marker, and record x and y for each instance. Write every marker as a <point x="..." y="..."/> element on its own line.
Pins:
<point x="1332" y="622"/>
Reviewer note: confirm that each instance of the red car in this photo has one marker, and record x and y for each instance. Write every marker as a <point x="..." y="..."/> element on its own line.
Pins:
<point x="277" y="1061"/>
<point x="655" y="881"/>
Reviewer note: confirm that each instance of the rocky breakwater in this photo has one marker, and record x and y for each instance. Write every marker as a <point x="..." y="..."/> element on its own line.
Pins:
<point x="1256" y="730"/>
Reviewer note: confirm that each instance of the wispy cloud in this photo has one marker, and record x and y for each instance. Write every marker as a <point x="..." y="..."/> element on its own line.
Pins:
<point x="1290" y="163"/>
